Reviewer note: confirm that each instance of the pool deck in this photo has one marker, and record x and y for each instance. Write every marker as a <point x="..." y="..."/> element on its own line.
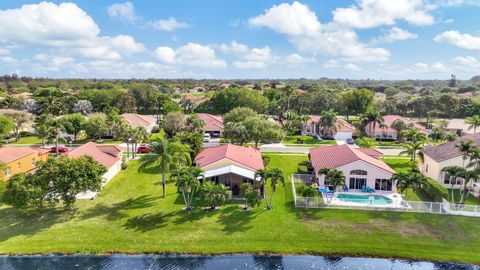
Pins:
<point x="395" y="197"/>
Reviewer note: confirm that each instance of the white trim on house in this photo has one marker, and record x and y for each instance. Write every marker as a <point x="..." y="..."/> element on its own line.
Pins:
<point x="230" y="169"/>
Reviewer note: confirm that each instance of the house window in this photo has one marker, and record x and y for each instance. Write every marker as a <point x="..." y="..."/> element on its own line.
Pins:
<point x="383" y="184"/>
<point x="446" y="181"/>
<point x="358" y="172"/>
<point x="8" y="171"/>
<point x="357" y="183"/>
<point x="215" y="179"/>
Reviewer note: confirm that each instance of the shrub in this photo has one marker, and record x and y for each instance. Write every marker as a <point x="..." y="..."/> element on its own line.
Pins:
<point x="124" y="163"/>
<point x="266" y="160"/>
<point x="155" y="129"/>
<point x="300" y="140"/>
<point x="435" y="190"/>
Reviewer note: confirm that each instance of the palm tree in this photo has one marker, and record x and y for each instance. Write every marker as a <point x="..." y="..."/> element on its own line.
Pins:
<point x="114" y="121"/>
<point x="181" y="154"/>
<point x="57" y="128"/>
<point x="465" y="148"/>
<point x="453" y="172"/>
<point x="467" y="175"/>
<point x="402" y="181"/>
<point x="275" y="175"/>
<point x="215" y="195"/>
<point x="399" y="125"/>
<point x="328" y="123"/>
<point x="139" y="134"/>
<point x="162" y="156"/>
<point x="188" y="182"/>
<point x="333" y="177"/>
<point x="370" y="119"/>
<point x="43" y="127"/>
<point x="473" y="122"/>
<point x="412" y="149"/>
<point x="412" y="134"/>
<point x="262" y="175"/>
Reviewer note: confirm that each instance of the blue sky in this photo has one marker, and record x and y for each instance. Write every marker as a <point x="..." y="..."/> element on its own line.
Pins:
<point x="360" y="39"/>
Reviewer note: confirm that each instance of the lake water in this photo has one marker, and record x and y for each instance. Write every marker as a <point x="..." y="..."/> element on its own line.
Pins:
<point x="140" y="262"/>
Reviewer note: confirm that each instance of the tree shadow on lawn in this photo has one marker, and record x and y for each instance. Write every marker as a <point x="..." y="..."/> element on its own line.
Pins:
<point x="14" y="223"/>
<point x="114" y="211"/>
<point x="148" y="222"/>
<point x="235" y="220"/>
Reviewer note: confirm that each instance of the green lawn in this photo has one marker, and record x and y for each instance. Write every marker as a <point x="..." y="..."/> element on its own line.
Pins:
<point x="29" y="140"/>
<point x="131" y="217"/>
<point x="307" y="141"/>
<point x="456" y="194"/>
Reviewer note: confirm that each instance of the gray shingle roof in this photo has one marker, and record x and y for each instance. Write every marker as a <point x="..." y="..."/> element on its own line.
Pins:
<point x="449" y="150"/>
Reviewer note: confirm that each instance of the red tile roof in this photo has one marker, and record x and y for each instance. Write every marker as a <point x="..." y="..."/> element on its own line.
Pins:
<point x="371" y="152"/>
<point x="138" y="120"/>
<point x="107" y="155"/>
<point x="342" y="125"/>
<point x="245" y="155"/>
<point x="338" y="155"/>
<point x="9" y="153"/>
<point x="212" y="122"/>
<point x="389" y="119"/>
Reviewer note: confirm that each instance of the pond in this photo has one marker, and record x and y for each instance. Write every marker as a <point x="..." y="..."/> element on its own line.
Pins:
<point x="139" y="262"/>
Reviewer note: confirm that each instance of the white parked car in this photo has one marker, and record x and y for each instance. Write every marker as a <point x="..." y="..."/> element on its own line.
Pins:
<point x="206" y="137"/>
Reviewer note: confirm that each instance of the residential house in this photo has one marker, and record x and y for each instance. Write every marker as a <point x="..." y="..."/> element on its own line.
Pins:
<point x="434" y="158"/>
<point x="109" y="156"/>
<point x="361" y="167"/>
<point x="21" y="159"/>
<point x="388" y="132"/>
<point x="345" y="130"/>
<point x="459" y="127"/>
<point x="213" y="124"/>
<point x="138" y="120"/>
<point x="231" y="165"/>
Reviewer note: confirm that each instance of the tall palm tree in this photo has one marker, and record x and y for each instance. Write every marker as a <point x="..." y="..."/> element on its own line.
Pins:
<point x="262" y="175"/>
<point x="465" y="147"/>
<point x="57" y="128"/>
<point x="402" y="181"/>
<point x="328" y="123"/>
<point x="399" y="125"/>
<point x="114" y="121"/>
<point x="43" y="127"/>
<point x="139" y="135"/>
<point x="188" y="182"/>
<point x="162" y="156"/>
<point x="371" y="119"/>
<point x="468" y="176"/>
<point x="412" y="134"/>
<point x="215" y="195"/>
<point x="275" y="175"/>
<point x="473" y="122"/>
<point x="181" y="154"/>
<point x="411" y="149"/>
<point x="333" y="177"/>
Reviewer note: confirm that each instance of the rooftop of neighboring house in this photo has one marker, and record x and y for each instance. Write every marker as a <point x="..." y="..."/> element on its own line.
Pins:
<point x="212" y="122"/>
<point x="248" y="156"/>
<point x="107" y="155"/>
<point x="138" y="120"/>
<point x="342" y="125"/>
<point x="9" y="153"/>
<point x="459" y="124"/>
<point x="336" y="156"/>
<point x="449" y="150"/>
<point x="190" y="97"/>
<point x="389" y="119"/>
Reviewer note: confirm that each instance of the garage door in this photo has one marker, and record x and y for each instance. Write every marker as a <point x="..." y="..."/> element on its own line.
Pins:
<point x="343" y="135"/>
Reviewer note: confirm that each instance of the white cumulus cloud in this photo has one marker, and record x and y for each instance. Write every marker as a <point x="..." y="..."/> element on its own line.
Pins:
<point x="192" y="55"/>
<point x="123" y="10"/>
<point x="465" y="41"/>
<point x="396" y="34"/>
<point x="169" y="24"/>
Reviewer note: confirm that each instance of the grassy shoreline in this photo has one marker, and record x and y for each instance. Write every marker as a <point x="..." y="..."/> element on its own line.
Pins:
<point x="130" y="217"/>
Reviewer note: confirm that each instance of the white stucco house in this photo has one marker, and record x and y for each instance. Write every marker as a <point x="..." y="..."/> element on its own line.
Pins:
<point x="231" y="165"/>
<point x="388" y="132"/>
<point x="434" y="158"/>
<point x="109" y="156"/>
<point x="344" y="129"/>
<point x="361" y="167"/>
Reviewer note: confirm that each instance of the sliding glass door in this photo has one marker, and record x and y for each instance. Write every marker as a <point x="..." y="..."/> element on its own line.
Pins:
<point x="357" y="183"/>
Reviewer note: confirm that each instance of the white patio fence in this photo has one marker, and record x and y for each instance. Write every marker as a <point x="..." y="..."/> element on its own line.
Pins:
<point x="444" y="207"/>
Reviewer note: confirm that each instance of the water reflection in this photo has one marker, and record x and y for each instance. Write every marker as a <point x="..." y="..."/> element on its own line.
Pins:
<point x="139" y="262"/>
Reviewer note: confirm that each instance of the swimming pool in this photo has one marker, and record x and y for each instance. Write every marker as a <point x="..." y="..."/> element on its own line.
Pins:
<point x="364" y="199"/>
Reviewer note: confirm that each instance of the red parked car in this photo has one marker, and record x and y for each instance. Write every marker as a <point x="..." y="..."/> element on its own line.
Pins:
<point x="143" y="149"/>
<point x="61" y="149"/>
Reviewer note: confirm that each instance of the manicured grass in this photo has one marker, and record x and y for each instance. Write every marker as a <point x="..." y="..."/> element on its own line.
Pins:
<point x="156" y="136"/>
<point x="131" y="217"/>
<point x="32" y="139"/>
<point x="399" y="164"/>
<point x="307" y="141"/>
<point x="456" y="194"/>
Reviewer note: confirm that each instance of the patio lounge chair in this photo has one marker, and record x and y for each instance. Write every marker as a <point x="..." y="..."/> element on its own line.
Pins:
<point x="370" y="190"/>
<point x="321" y="189"/>
<point x="364" y="188"/>
<point x="345" y="189"/>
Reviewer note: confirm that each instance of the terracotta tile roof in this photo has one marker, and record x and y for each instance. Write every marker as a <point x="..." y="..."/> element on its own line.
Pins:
<point x="449" y="150"/>
<point x="371" y="152"/>
<point x="10" y="153"/>
<point x="190" y="97"/>
<point x="138" y="120"/>
<point x="338" y="155"/>
<point x="107" y="155"/>
<point x="212" y="122"/>
<point x="389" y="119"/>
<point x="245" y="155"/>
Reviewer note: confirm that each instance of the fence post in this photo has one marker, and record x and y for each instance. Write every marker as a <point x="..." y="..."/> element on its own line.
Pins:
<point x="431" y="204"/>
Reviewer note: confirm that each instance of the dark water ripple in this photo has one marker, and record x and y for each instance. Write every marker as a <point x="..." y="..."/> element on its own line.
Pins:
<point x="174" y="262"/>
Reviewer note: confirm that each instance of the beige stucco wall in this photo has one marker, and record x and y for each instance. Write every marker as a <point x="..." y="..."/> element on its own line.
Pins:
<point x="373" y="173"/>
<point x="112" y="172"/>
<point x="433" y="169"/>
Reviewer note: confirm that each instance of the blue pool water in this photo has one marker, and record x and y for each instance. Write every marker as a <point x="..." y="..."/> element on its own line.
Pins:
<point x="220" y="262"/>
<point x="364" y="199"/>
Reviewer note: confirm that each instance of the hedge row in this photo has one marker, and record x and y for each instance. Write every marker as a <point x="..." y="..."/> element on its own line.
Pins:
<point x="435" y="190"/>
